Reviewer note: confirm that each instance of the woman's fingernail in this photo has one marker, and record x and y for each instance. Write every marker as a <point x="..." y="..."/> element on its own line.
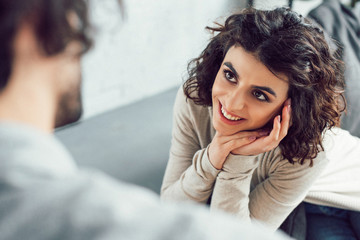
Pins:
<point x="278" y="118"/>
<point x="252" y="138"/>
<point x="288" y="102"/>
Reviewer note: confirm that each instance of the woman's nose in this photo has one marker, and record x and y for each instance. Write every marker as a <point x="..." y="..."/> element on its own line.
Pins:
<point x="236" y="100"/>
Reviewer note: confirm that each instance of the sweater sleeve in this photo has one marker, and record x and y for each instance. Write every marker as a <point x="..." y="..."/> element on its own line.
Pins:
<point x="189" y="174"/>
<point x="232" y="187"/>
<point x="279" y="186"/>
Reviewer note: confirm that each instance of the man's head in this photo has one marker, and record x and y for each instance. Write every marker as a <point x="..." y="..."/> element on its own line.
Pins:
<point x="52" y="34"/>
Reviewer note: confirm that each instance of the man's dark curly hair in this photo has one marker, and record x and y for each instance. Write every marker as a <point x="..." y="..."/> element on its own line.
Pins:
<point x="286" y="43"/>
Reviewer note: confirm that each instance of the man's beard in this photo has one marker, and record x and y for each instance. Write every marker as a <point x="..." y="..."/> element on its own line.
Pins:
<point x="69" y="108"/>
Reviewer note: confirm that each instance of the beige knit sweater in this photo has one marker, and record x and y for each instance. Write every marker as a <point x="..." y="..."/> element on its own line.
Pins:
<point x="262" y="187"/>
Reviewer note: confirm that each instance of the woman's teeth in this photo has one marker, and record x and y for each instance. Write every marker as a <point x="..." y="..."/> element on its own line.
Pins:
<point x="228" y="116"/>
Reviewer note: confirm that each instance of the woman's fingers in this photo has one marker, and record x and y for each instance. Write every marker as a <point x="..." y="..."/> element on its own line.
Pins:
<point x="244" y="134"/>
<point x="221" y="145"/>
<point x="273" y="139"/>
<point x="286" y="116"/>
<point x="281" y="125"/>
<point x="239" y="142"/>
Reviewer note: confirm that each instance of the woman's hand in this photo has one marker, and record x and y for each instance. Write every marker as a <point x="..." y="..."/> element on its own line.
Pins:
<point x="249" y="142"/>
<point x="222" y="145"/>
<point x="267" y="143"/>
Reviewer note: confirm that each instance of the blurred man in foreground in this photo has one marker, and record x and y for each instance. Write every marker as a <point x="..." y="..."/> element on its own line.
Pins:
<point x="43" y="195"/>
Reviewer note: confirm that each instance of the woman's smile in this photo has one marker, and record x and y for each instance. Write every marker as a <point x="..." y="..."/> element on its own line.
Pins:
<point x="228" y="117"/>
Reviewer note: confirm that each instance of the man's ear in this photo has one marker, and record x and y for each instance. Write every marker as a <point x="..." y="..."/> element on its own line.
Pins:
<point x="26" y="46"/>
<point x="28" y="52"/>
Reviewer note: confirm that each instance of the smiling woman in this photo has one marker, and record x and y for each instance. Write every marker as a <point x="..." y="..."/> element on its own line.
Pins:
<point x="252" y="119"/>
<point x="246" y="96"/>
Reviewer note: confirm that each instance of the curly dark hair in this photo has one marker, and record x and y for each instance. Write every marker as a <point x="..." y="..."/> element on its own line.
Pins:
<point x="286" y="43"/>
<point x="51" y="27"/>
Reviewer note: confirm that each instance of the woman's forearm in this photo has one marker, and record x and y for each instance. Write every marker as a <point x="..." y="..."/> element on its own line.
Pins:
<point x="232" y="187"/>
<point x="195" y="183"/>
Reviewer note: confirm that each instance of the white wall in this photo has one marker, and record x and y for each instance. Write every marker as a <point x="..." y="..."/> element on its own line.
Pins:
<point x="145" y="53"/>
<point x="148" y="51"/>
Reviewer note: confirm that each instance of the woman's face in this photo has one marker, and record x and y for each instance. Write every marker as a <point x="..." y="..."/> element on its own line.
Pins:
<point x="246" y="95"/>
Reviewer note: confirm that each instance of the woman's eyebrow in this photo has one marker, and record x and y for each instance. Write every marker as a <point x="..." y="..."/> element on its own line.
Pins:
<point x="229" y="65"/>
<point x="267" y="89"/>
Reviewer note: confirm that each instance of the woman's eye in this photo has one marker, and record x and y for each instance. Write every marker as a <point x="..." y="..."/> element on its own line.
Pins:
<point x="261" y="96"/>
<point x="229" y="76"/>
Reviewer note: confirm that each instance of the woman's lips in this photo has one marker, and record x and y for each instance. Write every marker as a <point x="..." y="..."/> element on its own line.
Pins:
<point x="229" y="118"/>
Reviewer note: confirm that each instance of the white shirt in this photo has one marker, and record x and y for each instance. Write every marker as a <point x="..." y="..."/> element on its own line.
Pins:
<point x="339" y="184"/>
